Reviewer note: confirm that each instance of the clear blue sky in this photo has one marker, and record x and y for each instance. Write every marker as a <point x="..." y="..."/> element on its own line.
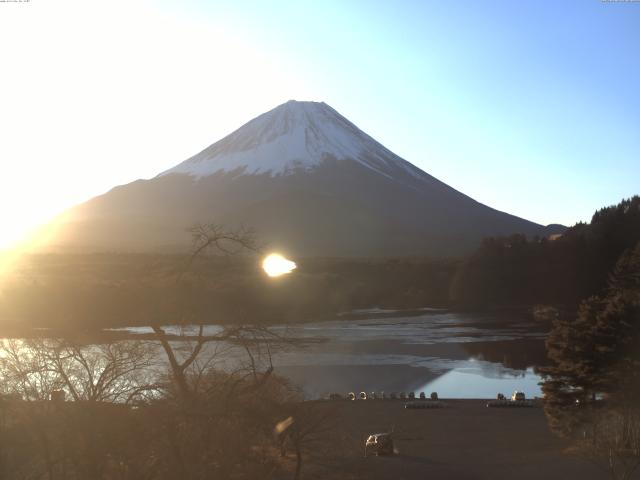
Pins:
<point x="531" y="106"/>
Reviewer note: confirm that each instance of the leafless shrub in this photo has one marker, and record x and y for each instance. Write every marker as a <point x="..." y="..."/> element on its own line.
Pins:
<point x="611" y="439"/>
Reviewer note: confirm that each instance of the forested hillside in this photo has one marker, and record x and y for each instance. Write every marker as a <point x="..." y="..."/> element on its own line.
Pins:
<point x="102" y="290"/>
<point x="519" y="271"/>
<point x="98" y="290"/>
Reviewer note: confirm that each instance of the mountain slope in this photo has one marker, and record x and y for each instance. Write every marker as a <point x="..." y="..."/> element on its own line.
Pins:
<point x="309" y="181"/>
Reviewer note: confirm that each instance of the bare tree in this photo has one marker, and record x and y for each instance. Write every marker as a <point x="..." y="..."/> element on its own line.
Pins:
<point x="214" y="238"/>
<point x="115" y="372"/>
<point x="611" y="439"/>
<point x="207" y="238"/>
<point x="219" y="409"/>
<point x="206" y="409"/>
<point x="81" y="438"/>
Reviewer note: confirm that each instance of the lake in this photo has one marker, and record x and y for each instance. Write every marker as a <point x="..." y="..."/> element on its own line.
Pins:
<point x="458" y="355"/>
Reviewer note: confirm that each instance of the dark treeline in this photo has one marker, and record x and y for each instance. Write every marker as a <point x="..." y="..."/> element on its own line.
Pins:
<point x="519" y="271"/>
<point x="103" y="290"/>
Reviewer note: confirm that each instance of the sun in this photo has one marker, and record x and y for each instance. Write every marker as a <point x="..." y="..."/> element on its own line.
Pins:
<point x="275" y="265"/>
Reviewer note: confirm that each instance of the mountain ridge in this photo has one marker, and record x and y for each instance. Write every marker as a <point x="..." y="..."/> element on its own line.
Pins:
<point x="309" y="181"/>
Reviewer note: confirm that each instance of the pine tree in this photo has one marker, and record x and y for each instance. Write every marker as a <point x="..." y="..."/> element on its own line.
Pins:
<point x="592" y="391"/>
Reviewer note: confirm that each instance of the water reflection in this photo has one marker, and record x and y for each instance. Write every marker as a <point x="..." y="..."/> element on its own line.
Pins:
<point x="517" y="354"/>
<point x="475" y="383"/>
<point x="461" y="355"/>
<point x="458" y="355"/>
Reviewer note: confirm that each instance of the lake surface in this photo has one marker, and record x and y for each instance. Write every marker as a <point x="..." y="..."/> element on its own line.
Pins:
<point x="458" y="355"/>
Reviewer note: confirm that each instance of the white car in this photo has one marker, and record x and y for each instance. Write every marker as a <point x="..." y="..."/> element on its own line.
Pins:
<point x="518" y="396"/>
<point x="379" y="443"/>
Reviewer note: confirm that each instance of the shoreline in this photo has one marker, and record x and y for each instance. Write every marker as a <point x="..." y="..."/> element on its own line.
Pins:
<point x="15" y="330"/>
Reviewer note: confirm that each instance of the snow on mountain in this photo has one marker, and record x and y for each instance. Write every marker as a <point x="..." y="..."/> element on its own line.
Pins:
<point x="293" y="136"/>
<point x="308" y="181"/>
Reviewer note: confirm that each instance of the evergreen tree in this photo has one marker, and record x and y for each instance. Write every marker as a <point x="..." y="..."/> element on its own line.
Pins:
<point x="592" y="391"/>
<point x="519" y="271"/>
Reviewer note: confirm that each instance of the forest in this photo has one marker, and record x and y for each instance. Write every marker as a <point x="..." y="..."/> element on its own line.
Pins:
<point x="516" y="270"/>
<point x="93" y="291"/>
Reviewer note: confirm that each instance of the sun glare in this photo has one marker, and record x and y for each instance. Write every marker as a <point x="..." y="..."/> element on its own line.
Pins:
<point x="275" y="265"/>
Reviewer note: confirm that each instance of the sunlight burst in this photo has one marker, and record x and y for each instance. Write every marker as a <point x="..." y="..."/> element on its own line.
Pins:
<point x="275" y="265"/>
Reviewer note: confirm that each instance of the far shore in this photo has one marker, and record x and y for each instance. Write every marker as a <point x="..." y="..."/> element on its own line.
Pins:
<point x="119" y="332"/>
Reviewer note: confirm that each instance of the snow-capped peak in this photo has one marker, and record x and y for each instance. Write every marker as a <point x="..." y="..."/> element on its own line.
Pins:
<point x="295" y="135"/>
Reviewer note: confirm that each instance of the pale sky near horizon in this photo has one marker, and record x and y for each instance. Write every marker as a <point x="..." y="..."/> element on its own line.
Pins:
<point x="530" y="107"/>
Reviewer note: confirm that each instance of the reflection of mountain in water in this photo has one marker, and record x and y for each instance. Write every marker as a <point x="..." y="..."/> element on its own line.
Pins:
<point x="470" y="383"/>
<point x="458" y="370"/>
<point x="318" y="381"/>
<point x="459" y="354"/>
<point x="516" y="354"/>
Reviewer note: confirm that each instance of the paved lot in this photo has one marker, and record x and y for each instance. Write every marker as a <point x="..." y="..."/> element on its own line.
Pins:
<point x="464" y="441"/>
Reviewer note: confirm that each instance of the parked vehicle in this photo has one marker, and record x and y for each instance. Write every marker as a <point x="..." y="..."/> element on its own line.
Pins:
<point x="379" y="444"/>
<point x="518" y="396"/>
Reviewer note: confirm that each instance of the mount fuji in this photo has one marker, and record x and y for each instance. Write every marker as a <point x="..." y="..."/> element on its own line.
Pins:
<point x="309" y="182"/>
